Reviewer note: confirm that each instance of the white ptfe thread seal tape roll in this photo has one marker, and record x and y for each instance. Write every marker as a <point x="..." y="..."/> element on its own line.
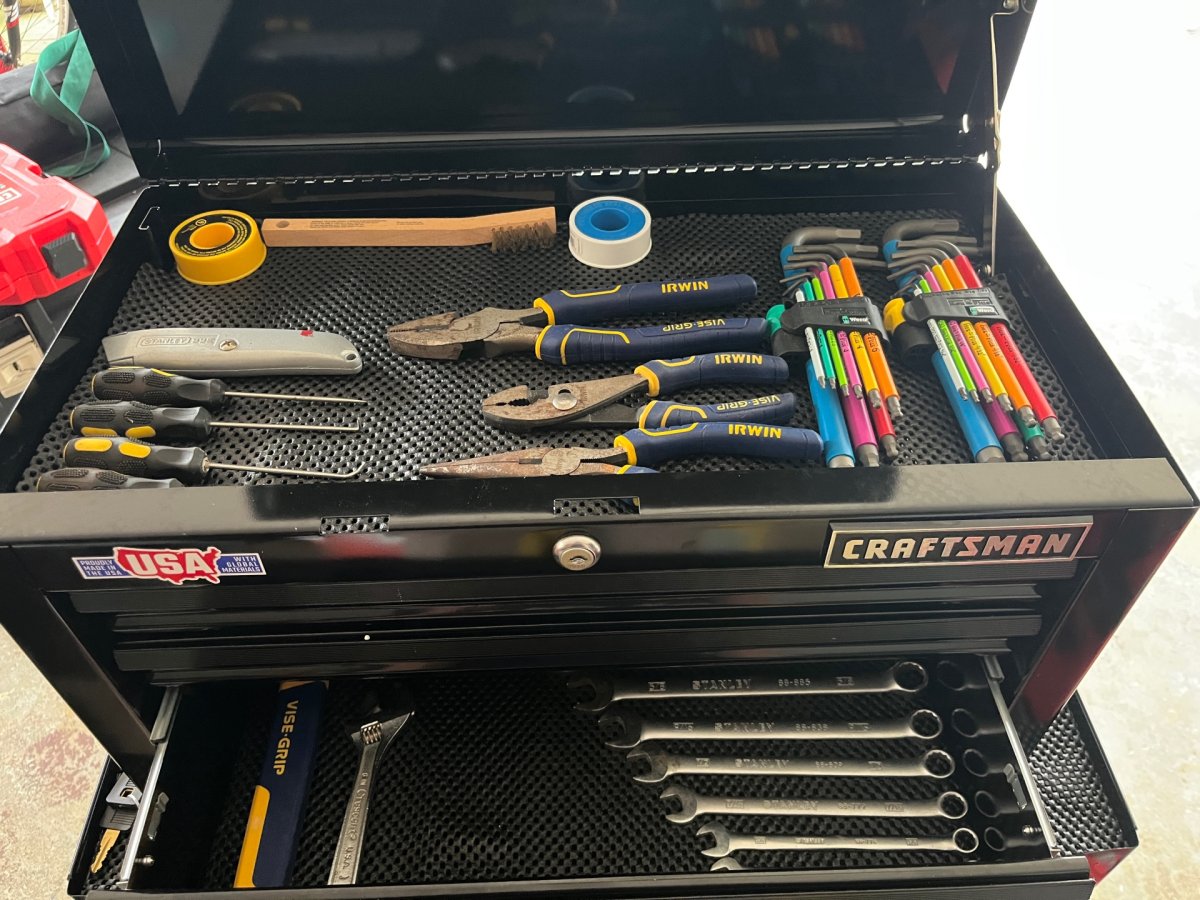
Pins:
<point x="609" y="232"/>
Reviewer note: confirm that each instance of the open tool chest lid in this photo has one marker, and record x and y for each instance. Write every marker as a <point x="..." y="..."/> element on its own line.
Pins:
<point x="258" y="90"/>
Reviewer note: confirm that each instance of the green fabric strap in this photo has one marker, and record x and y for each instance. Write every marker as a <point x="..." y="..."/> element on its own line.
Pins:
<point x="64" y="104"/>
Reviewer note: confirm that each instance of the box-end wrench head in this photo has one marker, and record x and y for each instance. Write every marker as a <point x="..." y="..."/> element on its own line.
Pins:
<point x="962" y="840"/>
<point x="651" y="765"/>
<point x="686" y="805"/>
<point x="906" y="676"/>
<point x="628" y="729"/>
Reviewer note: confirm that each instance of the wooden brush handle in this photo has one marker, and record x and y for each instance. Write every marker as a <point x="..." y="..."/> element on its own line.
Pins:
<point x="453" y="232"/>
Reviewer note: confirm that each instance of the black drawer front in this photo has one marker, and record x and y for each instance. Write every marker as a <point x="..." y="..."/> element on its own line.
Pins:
<point x="498" y="780"/>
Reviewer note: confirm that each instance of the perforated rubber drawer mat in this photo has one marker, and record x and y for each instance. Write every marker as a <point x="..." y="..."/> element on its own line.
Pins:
<point x="498" y="777"/>
<point x="424" y="410"/>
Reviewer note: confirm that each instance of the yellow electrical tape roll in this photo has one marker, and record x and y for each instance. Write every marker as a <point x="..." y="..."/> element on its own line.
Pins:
<point x="217" y="247"/>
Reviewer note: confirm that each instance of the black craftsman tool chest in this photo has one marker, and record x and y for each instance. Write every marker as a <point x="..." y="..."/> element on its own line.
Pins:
<point x="733" y="123"/>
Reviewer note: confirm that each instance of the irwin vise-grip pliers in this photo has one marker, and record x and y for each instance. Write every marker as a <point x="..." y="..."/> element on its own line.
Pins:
<point x="633" y="451"/>
<point x="598" y="403"/>
<point x="547" y="326"/>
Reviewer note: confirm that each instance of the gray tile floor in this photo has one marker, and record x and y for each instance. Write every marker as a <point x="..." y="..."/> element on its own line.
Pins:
<point x="1099" y="129"/>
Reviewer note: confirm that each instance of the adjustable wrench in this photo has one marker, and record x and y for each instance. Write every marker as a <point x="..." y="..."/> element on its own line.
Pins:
<point x="903" y="676"/>
<point x="963" y="840"/>
<point x="372" y="741"/>
<point x="633" y="729"/>
<point x="950" y="805"/>
<point x="657" y="765"/>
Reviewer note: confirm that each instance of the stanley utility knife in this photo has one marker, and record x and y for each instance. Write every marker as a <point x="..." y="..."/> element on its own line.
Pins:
<point x="208" y="352"/>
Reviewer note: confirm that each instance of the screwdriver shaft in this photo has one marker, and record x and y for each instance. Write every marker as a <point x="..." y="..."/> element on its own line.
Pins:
<point x="267" y="425"/>
<point x="302" y="473"/>
<point x="294" y="397"/>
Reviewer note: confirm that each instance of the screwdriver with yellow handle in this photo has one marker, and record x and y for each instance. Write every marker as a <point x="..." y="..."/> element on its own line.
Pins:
<point x="188" y="464"/>
<point x="131" y="419"/>
<point x="159" y="388"/>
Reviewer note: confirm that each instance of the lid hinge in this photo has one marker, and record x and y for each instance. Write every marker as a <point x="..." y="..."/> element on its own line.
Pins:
<point x="992" y="128"/>
<point x="707" y="168"/>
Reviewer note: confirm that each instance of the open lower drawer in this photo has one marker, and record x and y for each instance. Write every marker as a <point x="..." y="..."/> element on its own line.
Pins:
<point x="501" y="783"/>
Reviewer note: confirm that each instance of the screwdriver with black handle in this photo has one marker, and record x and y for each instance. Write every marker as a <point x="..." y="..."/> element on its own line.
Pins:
<point x="159" y="388"/>
<point x="128" y="418"/>
<point x="188" y="464"/>
<point x="64" y="480"/>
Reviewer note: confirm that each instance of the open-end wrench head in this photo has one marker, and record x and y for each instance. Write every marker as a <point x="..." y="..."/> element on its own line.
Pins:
<point x="625" y="728"/>
<point x="599" y="687"/>
<point x="726" y="864"/>
<point x="938" y="763"/>
<point x="719" y="835"/>
<point x="390" y="710"/>
<point x="649" y="765"/>
<point x="681" y="802"/>
<point x="952" y="805"/>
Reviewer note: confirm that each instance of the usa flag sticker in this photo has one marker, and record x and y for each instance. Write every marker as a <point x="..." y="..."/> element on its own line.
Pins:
<point x="174" y="566"/>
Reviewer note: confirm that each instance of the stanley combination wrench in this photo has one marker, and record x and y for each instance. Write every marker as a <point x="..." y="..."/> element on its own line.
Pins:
<point x="903" y="676"/>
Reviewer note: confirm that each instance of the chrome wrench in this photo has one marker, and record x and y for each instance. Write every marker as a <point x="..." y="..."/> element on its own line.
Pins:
<point x="903" y="676"/>
<point x="950" y="805"/>
<point x="632" y="729"/>
<point x="656" y="765"/>
<point x="372" y="741"/>
<point x="724" y="842"/>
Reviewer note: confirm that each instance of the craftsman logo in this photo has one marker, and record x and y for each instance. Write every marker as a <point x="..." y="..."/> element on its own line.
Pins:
<point x="172" y="566"/>
<point x="954" y="543"/>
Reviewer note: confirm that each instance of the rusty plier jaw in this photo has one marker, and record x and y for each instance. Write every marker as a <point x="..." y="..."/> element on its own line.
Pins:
<point x="533" y="462"/>
<point x="522" y="408"/>
<point x="489" y="332"/>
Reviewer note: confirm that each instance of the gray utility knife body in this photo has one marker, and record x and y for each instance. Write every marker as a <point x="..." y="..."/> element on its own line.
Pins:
<point x="235" y="351"/>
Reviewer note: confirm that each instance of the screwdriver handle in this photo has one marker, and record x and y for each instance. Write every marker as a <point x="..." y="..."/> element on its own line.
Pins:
<point x="157" y="388"/>
<point x="132" y="457"/>
<point x="625" y="300"/>
<point x="650" y="448"/>
<point x="567" y="344"/>
<point x="668" y="376"/>
<point x="98" y="480"/>
<point x="777" y="409"/>
<point x="137" y="420"/>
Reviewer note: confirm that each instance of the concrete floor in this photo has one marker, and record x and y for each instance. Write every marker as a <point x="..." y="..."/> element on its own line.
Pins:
<point x="1099" y="129"/>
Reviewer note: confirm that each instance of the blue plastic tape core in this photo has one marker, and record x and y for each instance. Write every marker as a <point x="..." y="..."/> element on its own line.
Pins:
<point x="609" y="220"/>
